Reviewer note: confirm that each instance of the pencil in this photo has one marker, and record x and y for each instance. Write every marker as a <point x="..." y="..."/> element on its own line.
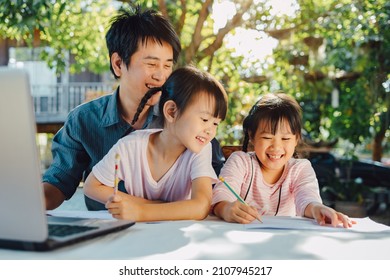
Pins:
<point x="232" y="190"/>
<point x="236" y="194"/>
<point x="116" y="180"/>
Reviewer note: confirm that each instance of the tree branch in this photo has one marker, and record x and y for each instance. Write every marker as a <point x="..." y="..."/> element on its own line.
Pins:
<point x="163" y="8"/>
<point x="197" y="35"/>
<point x="230" y="25"/>
<point x="180" y="24"/>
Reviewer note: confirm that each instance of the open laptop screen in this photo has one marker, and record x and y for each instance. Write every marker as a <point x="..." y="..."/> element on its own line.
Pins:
<point x="24" y="224"/>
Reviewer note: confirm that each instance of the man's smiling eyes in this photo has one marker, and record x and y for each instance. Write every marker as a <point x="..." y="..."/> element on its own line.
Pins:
<point x="154" y="64"/>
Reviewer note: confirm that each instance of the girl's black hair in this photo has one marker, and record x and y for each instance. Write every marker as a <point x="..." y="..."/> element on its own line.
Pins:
<point x="272" y="109"/>
<point x="183" y="86"/>
<point x="130" y="28"/>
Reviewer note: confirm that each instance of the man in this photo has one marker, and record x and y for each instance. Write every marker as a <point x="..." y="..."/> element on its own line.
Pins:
<point x="143" y="48"/>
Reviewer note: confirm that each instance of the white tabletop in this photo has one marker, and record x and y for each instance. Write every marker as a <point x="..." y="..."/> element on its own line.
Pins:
<point x="215" y="239"/>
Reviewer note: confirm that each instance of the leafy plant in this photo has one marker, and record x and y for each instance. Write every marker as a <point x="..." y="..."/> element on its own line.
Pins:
<point x="353" y="190"/>
<point x="341" y="186"/>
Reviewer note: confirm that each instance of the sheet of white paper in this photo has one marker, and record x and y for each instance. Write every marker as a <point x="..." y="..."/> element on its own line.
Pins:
<point x="281" y="222"/>
<point x="103" y="214"/>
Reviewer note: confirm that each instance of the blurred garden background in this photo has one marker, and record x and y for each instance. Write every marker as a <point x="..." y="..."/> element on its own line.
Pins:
<point x="332" y="56"/>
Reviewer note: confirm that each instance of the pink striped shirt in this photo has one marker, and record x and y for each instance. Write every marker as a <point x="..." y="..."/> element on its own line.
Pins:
<point x="297" y="187"/>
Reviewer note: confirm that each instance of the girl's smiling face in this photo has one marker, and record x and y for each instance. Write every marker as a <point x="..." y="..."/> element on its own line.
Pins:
<point x="274" y="150"/>
<point x="197" y="126"/>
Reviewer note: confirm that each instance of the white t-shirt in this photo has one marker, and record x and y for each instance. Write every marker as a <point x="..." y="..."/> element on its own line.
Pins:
<point x="135" y="172"/>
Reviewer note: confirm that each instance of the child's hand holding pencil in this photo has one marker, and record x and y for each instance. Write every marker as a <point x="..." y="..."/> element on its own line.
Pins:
<point x="239" y="198"/>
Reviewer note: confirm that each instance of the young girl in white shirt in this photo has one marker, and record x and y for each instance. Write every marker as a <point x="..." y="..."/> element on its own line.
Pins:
<point x="167" y="172"/>
<point x="269" y="179"/>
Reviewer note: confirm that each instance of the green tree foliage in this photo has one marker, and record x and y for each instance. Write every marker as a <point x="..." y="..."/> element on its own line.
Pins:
<point x="206" y="48"/>
<point x="338" y="47"/>
<point x="77" y="28"/>
<point x="73" y="28"/>
<point x="324" y="47"/>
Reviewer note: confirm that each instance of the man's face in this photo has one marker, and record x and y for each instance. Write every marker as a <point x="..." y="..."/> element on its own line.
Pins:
<point x="149" y="67"/>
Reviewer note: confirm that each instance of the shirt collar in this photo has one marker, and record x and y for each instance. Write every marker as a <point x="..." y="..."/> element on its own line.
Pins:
<point x="111" y="115"/>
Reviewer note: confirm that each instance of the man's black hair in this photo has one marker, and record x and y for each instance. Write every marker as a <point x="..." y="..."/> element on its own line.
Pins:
<point x="133" y="27"/>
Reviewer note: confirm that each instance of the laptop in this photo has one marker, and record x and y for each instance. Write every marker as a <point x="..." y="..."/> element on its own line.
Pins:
<point x="24" y="223"/>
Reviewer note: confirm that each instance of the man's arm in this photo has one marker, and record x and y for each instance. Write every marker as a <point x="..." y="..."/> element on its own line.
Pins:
<point x="70" y="160"/>
<point x="53" y="196"/>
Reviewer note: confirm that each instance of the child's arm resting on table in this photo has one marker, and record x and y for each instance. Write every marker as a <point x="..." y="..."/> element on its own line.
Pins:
<point x="94" y="189"/>
<point x="323" y="215"/>
<point x="127" y="207"/>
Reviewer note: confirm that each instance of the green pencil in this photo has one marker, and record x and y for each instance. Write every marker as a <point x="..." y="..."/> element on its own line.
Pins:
<point x="232" y="190"/>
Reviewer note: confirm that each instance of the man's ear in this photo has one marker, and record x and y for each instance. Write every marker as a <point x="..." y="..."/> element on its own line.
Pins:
<point x="170" y="111"/>
<point x="116" y="62"/>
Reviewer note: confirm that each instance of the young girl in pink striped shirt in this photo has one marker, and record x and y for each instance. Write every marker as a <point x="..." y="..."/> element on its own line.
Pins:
<point x="270" y="179"/>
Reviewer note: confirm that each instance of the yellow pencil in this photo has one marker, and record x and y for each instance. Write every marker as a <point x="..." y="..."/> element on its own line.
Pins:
<point x="236" y="194"/>
<point x="116" y="180"/>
